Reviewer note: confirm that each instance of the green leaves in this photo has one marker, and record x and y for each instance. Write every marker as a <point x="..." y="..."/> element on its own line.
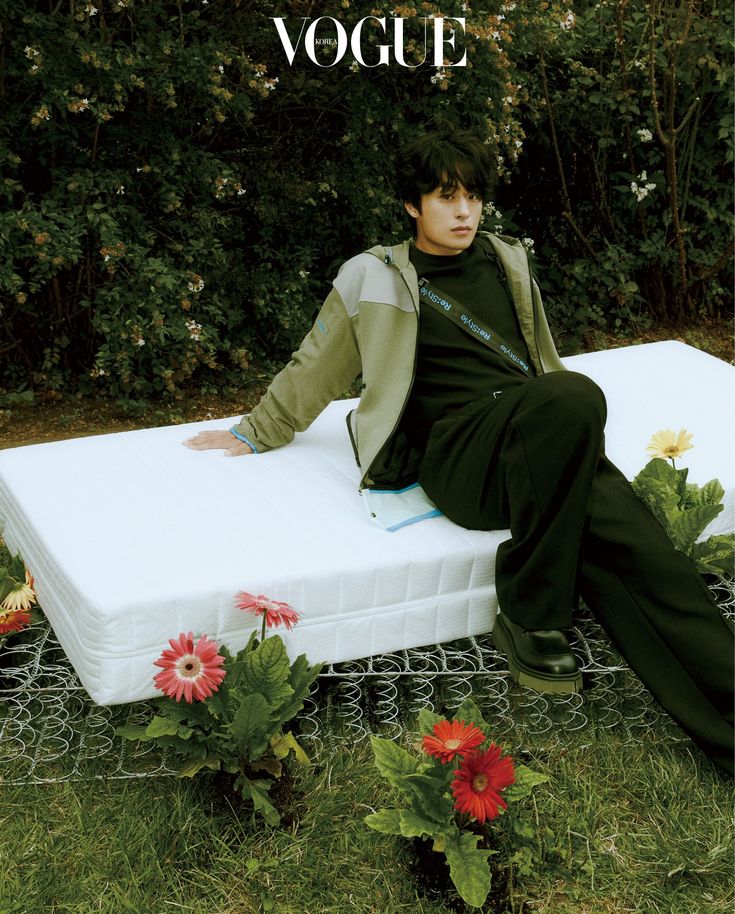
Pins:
<point x="427" y="719"/>
<point x="427" y="810"/>
<point x="428" y="795"/>
<point x="526" y="780"/>
<point x="157" y="729"/>
<point x="250" y="726"/>
<point x="468" y="867"/>
<point x="414" y="825"/>
<point x="283" y="743"/>
<point x="240" y="727"/>
<point x="257" y="792"/>
<point x="393" y="762"/>
<point x="387" y="821"/>
<point x="266" y="671"/>
<point x="471" y="714"/>
<point x="300" y="679"/>
<point x="715" y="555"/>
<point x="684" y="510"/>
<point x="685" y="526"/>
<point x="194" y="766"/>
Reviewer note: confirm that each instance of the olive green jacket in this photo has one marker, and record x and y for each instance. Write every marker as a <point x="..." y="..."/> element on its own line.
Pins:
<point x="369" y="324"/>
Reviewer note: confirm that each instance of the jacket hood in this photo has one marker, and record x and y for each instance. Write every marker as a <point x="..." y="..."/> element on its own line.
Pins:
<point x="396" y="255"/>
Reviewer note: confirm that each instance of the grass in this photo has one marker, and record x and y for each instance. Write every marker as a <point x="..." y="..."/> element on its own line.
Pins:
<point x="623" y="825"/>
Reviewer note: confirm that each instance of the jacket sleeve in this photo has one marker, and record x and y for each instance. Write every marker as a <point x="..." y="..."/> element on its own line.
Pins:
<point x="321" y="369"/>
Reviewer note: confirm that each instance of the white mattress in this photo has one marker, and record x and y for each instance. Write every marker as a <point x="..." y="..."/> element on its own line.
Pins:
<point x="133" y="538"/>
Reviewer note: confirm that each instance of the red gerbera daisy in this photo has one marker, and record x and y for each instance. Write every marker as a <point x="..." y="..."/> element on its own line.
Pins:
<point x="480" y="778"/>
<point x="190" y="670"/>
<point x="452" y="738"/>
<point x="13" y="620"/>
<point x="275" y="613"/>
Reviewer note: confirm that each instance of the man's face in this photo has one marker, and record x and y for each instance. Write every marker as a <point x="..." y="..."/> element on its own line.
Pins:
<point x="448" y="220"/>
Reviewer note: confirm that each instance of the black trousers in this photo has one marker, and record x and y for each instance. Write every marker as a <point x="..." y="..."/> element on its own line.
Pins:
<point x="532" y="460"/>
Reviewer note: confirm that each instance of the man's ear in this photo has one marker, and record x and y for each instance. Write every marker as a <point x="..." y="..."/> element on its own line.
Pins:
<point x="411" y="209"/>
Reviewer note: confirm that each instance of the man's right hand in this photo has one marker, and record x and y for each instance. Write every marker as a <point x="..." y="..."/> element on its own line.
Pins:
<point x="205" y="441"/>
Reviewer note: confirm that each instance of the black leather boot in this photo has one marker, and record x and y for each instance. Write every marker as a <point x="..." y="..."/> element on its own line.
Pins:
<point x="541" y="659"/>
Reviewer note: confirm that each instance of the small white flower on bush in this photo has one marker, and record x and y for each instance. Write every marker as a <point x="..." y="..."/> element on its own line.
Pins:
<point x="31" y="52"/>
<point x="641" y="191"/>
<point x="528" y="244"/>
<point x="196" y="283"/>
<point x="91" y="9"/>
<point x="195" y="330"/>
<point x="440" y="75"/>
<point x="568" y="21"/>
<point x="644" y="135"/>
<point x="120" y="189"/>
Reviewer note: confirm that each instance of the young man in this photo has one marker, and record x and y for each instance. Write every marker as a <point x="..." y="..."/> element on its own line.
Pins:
<point x="463" y="390"/>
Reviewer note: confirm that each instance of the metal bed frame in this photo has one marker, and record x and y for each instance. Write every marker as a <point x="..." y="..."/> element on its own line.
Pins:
<point x="51" y="731"/>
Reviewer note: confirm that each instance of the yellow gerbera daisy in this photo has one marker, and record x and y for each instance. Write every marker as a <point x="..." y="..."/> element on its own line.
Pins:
<point x="22" y="596"/>
<point x="670" y="444"/>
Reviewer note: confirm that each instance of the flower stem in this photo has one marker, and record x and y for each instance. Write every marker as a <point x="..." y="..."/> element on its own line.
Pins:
<point x="262" y="633"/>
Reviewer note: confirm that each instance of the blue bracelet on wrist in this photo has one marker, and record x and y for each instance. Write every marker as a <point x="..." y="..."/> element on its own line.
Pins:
<point x="253" y="448"/>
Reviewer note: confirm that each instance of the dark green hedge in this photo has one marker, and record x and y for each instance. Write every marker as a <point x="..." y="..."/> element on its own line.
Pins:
<point x="176" y="197"/>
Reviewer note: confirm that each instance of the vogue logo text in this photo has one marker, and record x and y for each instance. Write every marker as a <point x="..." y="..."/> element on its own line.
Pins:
<point x="333" y="34"/>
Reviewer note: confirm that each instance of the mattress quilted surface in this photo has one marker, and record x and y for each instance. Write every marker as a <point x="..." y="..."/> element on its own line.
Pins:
<point x="133" y="538"/>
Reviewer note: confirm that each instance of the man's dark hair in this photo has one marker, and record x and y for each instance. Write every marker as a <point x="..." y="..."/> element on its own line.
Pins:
<point x="444" y="158"/>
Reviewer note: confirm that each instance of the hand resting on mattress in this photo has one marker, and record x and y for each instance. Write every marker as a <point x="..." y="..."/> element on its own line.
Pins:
<point x="218" y="439"/>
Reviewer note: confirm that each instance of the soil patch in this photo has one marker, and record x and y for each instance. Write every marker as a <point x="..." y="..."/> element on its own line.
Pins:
<point x="431" y="871"/>
<point x="52" y="416"/>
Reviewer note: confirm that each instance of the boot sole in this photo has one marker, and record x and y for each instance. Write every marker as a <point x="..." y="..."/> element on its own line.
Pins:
<point x="561" y="684"/>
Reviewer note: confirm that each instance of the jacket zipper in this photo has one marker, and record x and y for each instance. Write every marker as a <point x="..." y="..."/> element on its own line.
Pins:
<point x="353" y="438"/>
<point x="535" y="316"/>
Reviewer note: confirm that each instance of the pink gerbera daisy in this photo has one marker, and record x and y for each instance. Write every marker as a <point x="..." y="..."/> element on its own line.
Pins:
<point x="189" y="670"/>
<point x="480" y="778"/>
<point x="275" y="613"/>
<point x="452" y="738"/>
